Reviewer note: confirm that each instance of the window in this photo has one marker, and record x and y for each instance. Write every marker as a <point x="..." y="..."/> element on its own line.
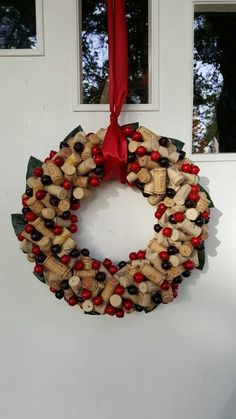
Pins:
<point x="214" y="90"/>
<point x="93" y="86"/>
<point x="21" y="27"/>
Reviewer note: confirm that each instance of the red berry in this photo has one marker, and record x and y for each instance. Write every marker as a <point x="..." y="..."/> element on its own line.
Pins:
<point x="110" y="310"/>
<point x="90" y="133"/>
<point x="127" y="304"/>
<point x="131" y="184"/>
<point x="38" y="171"/>
<point x="79" y="266"/>
<point x="155" y="155"/>
<point x="24" y="200"/>
<point x="193" y="196"/>
<point x="35" y="250"/>
<point x="195" y="170"/>
<point x="53" y="289"/>
<point x="75" y="206"/>
<point x="57" y="230"/>
<point x="47" y="160"/>
<point x="52" y="154"/>
<point x="205" y="215"/>
<point x="29" y="228"/>
<point x="189" y="265"/>
<point x="138" y="277"/>
<point x="65" y="259"/>
<point x="96" y="265"/>
<point x="95" y="150"/>
<point x="162" y="207"/>
<point x="40" y="194"/>
<point x="174" y="292"/>
<point x="167" y="231"/>
<point x="74" y="218"/>
<point x="174" y="286"/>
<point x="73" y="228"/>
<point x="59" y="161"/>
<point x="178" y="217"/>
<point x="107" y="263"/>
<point x="196" y="241"/>
<point x="20" y="237"/>
<point x="158" y="214"/>
<point x="128" y="130"/>
<point x="135" y="167"/>
<point x="30" y="217"/>
<point x="67" y="184"/>
<point x="72" y="301"/>
<point x="195" y="188"/>
<point x="137" y="136"/>
<point x="113" y="269"/>
<point x="165" y="285"/>
<point x="141" y="254"/>
<point x="186" y="168"/>
<point x="164" y="256"/>
<point x="98" y="159"/>
<point x="38" y="269"/>
<point x="119" y="313"/>
<point x="94" y="181"/>
<point x="133" y="256"/>
<point x="86" y="294"/>
<point x="119" y="290"/>
<point x="97" y="301"/>
<point x="141" y="151"/>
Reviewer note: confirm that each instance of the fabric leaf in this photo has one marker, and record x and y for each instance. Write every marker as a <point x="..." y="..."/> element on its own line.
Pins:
<point x="18" y="223"/>
<point x="32" y="163"/>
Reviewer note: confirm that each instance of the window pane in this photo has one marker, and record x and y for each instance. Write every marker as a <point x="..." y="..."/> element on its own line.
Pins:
<point x="214" y="101"/>
<point x="95" y="88"/>
<point x="17" y="24"/>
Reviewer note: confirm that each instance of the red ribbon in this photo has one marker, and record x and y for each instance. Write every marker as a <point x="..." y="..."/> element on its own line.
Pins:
<point x="114" y="146"/>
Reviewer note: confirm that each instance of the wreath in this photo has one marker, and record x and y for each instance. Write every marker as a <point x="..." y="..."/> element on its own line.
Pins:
<point x="55" y="188"/>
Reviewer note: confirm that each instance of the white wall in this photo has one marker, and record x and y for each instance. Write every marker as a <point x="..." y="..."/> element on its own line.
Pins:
<point x="177" y="362"/>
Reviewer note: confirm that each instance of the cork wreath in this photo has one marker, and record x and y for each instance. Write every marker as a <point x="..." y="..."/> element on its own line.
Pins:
<point x="158" y="167"/>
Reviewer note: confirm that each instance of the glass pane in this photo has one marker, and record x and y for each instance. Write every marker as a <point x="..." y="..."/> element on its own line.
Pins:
<point x="214" y="99"/>
<point x="95" y="87"/>
<point x="17" y="24"/>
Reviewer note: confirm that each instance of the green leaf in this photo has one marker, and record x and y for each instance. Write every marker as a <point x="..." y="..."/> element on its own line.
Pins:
<point x="135" y="125"/>
<point x="18" y="223"/>
<point x="177" y="143"/>
<point x="40" y="277"/>
<point x="201" y="257"/>
<point x="32" y="163"/>
<point x="208" y="196"/>
<point x="72" y="133"/>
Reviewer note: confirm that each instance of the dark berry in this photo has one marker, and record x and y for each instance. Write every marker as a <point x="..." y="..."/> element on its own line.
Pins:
<point x="65" y="284"/>
<point x="182" y="155"/>
<point x="131" y="157"/>
<point x="25" y="210"/>
<point x="163" y="141"/>
<point x="63" y="144"/>
<point x="166" y="265"/>
<point x="54" y="201"/>
<point x="201" y="247"/>
<point x="100" y="276"/>
<point x="84" y="252"/>
<point x="186" y="274"/>
<point x="190" y="204"/>
<point x="170" y="192"/>
<point x="49" y="223"/>
<point x="99" y="170"/>
<point x="121" y="264"/>
<point x="172" y="250"/>
<point x="78" y="147"/>
<point x="80" y="299"/>
<point x="56" y="248"/>
<point x="138" y="307"/>
<point x="65" y="215"/>
<point x="164" y="162"/>
<point x="132" y="289"/>
<point x="59" y="294"/>
<point x="177" y="280"/>
<point x="74" y="200"/>
<point x="157" y="228"/>
<point x="75" y="253"/>
<point x="156" y="298"/>
<point x="171" y="219"/>
<point x="36" y="236"/>
<point x="41" y="257"/>
<point x="46" y="180"/>
<point x="207" y="220"/>
<point x="199" y="221"/>
<point x="29" y="192"/>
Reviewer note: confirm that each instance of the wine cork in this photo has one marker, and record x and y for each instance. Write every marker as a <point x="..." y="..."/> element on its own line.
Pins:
<point x="144" y="175"/>
<point x="73" y="160"/>
<point x="169" y="202"/>
<point x="177" y="260"/>
<point x="89" y="283"/>
<point x="174" y="156"/>
<point x="55" y="173"/>
<point x="159" y="175"/>
<point x="132" y="177"/>
<point x="148" y="287"/>
<point x="80" y="193"/>
<point x="144" y="300"/>
<point x="191" y="214"/>
<point x="45" y="170"/>
<point x="64" y="205"/>
<point x="65" y="152"/>
<point x="62" y="237"/>
<point x="46" y="202"/>
<point x="88" y="272"/>
<point x="34" y="183"/>
<point x="202" y="204"/>
<point x="190" y="228"/>
<point x="26" y="246"/>
<point x="167" y="296"/>
<point x="178" y="208"/>
<point x="68" y="246"/>
<point x="62" y="223"/>
<point x="173" y="272"/>
<point x="133" y="298"/>
<point x="163" y="151"/>
<point x="154" y="199"/>
<point x="182" y="194"/>
<point x="155" y="246"/>
<point x="68" y="294"/>
<point x="94" y="138"/>
<point x="175" y="175"/>
<point x="86" y="166"/>
<point x="35" y="205"/>
<point x="147" y="162"/>
<point x="86" y="153"/>
<point x="157" y="264"/>
<point x="116" y="301"/>
<point x="48" y="213"/>
<point x="56" y="266"/>
<point x="80" y="137"/>
<point x="186" y="249"/>
<point x="100" y="309"/>
<point x="133" y="145"/>
<point x="88" y="261"/>
<point x="31" y="257"/>
<point x="177" y="235"/>
<point x="45" y="245"/>
<point x="109" y="289"/>
<point x="101" y="133"/>
<point x="161" y="239"/>
<point x="190" y="179"/>
<point x="194" y="258"/>
<point x="81" y="181"/>
<point x="149" y="188"/>
<point x="39" y="225"/>
<point x="163" y="220"/>
<point x="125" y="280"/>
<point x="87" y="306"/>
<point x="147" y="134"/>
<point x="153" y="274"/>
<point x="52" y="279"/>
<point x="69" y="172"/>
<point x="57" y="191"/>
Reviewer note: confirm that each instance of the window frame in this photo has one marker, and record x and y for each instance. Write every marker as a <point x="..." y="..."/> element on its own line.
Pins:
<point x="39" y="50"/>
<point x="201" y="156"/>
<point x="153" y="52"/>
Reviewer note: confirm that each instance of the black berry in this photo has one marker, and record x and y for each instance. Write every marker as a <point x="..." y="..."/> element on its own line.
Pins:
<point x="29" y="192"/>
<point x="186" y="274"/>
<point x="100" y="276"/>
<point x="78" y="147"/>
<point x="156" y="298"/>
<point x="157" y="228"/>
<point x="164" y="162"/>
<point x="49" y="223"/>
<point x="132" y="289"/>
<point x="46" y="180"/>
<point x="75" y="253"/>
<point x="170" y="192"/>
<point x="56" y="248"/>
<point x="59" y="294"/>
<point x="163" y="141"/>
<point x="172" y="250"/>
<point x="84" y="252"/>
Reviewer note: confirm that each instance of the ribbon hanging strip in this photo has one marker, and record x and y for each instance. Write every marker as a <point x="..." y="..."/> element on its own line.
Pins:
<point x="114" y="145"/>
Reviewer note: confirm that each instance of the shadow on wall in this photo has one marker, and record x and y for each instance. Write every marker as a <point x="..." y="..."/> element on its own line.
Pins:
<point x="229" y="411"/>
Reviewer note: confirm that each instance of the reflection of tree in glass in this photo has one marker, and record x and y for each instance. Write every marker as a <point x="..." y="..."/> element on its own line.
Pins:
<point x="17" y="24"/>
<point x="214" y="117"/>
<point x="95" y="51"/>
